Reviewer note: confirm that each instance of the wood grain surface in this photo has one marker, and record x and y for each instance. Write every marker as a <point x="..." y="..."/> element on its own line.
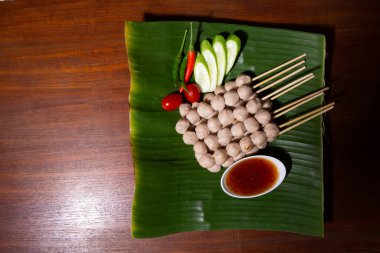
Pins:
<point x="66" y="173"/>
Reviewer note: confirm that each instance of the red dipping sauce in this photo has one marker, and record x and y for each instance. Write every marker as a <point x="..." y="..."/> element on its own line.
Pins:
<point x="252" y="177"/>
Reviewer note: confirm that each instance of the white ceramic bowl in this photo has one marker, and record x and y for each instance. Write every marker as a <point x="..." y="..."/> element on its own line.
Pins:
<point x="278" y="164"/>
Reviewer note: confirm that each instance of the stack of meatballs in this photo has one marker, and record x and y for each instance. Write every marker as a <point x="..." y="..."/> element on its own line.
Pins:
<point x="229" y="124"/>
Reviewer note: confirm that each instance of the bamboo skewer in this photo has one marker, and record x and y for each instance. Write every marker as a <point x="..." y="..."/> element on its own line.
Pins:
<point x="297" y="105"/>
<point x="278" y="67"/>
<point x="308" y="116"/>
<point x="305" y="120"/>
<point x="288" y="87"/>
<point x="291" y="88"/>
<point x="281" y="79"/>
<point x="278" y="74"/>
<point x="308" y="77"/>
<point x="300" y="100"/>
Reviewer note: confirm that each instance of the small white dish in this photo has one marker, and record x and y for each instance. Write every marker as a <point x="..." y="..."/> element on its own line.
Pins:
<point x="281" y="173"/>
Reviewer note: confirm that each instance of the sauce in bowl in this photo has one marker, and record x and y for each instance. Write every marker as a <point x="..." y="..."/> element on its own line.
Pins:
<point x="253" y="176"/>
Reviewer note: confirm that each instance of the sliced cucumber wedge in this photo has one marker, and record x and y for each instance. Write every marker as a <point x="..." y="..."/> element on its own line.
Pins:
<point x="201" y="73"/>
<point x="210" y="57"/>
<point x="233" y="47"/>
<point x="220" y="48"/>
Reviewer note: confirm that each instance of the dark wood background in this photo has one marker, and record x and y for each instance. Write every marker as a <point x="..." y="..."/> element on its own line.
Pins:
<point x="66" y="174"/>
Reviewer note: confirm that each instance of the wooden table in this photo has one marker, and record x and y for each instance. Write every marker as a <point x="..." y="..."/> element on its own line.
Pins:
<point x="66" y="173"/>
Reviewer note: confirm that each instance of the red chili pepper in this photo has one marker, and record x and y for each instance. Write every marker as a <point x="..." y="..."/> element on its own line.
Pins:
<point x="191" y="55"/>
<point x="172" y="101"/>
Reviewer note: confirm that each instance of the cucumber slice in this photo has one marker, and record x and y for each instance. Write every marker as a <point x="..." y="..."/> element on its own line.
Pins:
<point x="201" y="73"/>
<point x="220" y="48"/>
<point x="210" y="57"/>
<point x="233" y="47"/>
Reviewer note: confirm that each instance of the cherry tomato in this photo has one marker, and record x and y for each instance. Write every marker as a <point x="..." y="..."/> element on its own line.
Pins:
<point x="172" y="101"/>
<point x="193" y="93"/>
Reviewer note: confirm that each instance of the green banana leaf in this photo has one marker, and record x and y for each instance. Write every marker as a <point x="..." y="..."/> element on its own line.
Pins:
<point x="172" y="192"/>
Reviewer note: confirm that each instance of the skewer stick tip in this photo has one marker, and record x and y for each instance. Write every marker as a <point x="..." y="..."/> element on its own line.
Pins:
<point x="312" y="114"/>
<point x="278" y="67"/>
